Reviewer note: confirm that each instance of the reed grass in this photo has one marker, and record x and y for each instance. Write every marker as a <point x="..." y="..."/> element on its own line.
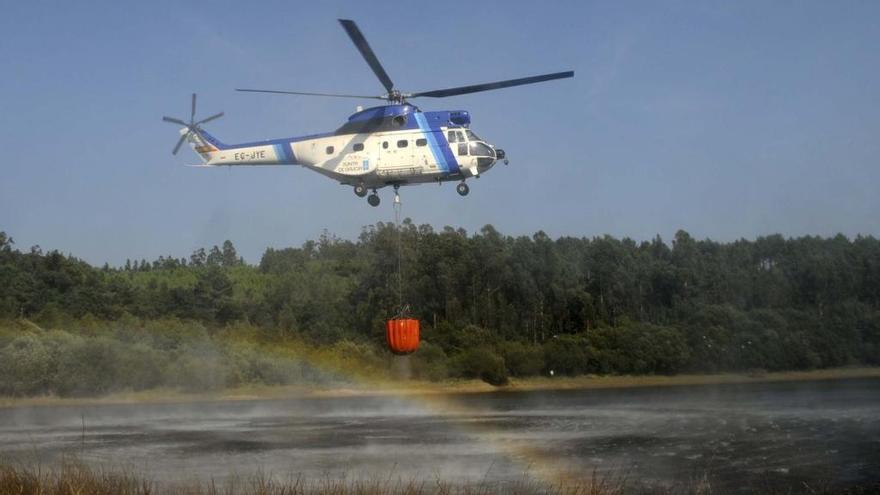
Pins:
<point x="73" y="477"/>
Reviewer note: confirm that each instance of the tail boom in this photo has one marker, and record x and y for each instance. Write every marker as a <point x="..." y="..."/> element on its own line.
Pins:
<point x="216" y="154"/>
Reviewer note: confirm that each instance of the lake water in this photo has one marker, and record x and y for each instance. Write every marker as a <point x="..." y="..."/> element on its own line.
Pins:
<point x="738" y="437"/>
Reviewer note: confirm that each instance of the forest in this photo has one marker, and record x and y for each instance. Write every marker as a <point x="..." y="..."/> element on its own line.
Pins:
<point x="491" y="306"/>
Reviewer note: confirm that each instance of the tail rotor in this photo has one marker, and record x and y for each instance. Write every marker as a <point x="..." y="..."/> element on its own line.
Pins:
<point x="192" y="126"/>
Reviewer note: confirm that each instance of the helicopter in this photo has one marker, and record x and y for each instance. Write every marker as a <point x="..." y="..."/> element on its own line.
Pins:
<point x="394" y="144"/>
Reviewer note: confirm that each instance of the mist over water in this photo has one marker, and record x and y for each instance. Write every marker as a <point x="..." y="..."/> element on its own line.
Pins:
<point x="738" y="436"/>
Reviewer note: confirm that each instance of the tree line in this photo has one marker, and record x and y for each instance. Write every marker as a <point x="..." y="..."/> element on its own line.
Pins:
<point x="493" y="305"/>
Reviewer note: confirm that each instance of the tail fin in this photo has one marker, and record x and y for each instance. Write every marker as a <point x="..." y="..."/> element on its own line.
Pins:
<point x="203" y="143"/>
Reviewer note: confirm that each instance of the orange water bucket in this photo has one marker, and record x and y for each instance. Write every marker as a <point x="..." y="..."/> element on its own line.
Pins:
<point x="402" y="335"/>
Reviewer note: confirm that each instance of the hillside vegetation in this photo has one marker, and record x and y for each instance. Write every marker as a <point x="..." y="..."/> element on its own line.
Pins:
<point x="491" y="306"/>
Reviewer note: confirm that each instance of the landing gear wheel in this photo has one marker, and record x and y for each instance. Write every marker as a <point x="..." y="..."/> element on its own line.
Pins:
<point x="360" y="190"/>
<point x="373" y="199"/>
<point x="463" y="189"/>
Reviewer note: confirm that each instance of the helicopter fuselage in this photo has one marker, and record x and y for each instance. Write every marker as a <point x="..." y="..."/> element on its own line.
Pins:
<point x="387" y="145"/>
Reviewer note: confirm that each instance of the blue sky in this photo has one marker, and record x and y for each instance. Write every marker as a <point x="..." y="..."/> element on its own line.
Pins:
<point x="726" y="119"/>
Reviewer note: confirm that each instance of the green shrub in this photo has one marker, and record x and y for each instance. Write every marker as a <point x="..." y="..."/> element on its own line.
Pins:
<point x="523" y="359"/>
<point x="430" y="363"/>
<point x="639" y="348"/>
<point x="144" y="367"/>
<point x="51" y="316"/>
<point x="89" y="367"/>
<point x="566" y="355"/>
<point x="199" y="374"/>
<point x="169" y="334"/>
<point x="24" y="366"/>
<point x="481" y="362"/>
<point x="251" y="365"/>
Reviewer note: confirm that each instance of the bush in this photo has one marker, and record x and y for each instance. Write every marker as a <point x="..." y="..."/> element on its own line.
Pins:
<point x="199" y="373"/>
<point x="105" y="357"/>
<point x="89" y="367"/>
<point x="144" y="367"/>
<point x="566" y="355"/>
<point x="430" y="363"/>
<point x="355" y="358"/>
<point x="251" y="365"/>
<point x="167" y="334"/>
<point x="482" y="363"/>
<point x="25" y="367"/>
<point x="523" y="359"/>
<point x="870" y="337"/>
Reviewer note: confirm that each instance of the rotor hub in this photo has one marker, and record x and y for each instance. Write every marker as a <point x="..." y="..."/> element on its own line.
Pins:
<point x="395" y="96"/>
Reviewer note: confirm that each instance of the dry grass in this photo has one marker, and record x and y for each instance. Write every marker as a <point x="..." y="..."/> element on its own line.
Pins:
<point x="77" y="478"/>
<point x="70" y="479"/>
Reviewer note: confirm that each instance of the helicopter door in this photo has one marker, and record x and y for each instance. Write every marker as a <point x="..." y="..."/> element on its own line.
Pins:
<point x="383" y="153"/>
<point x="421" y="153"/>
<point x="403" y="151"/>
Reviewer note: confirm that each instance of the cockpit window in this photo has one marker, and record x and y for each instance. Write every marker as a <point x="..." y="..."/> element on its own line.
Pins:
<point x="471" y="136"/>
<point x="451" y="137"/>
<point x="460" y="136"/>
<point x="480" y="149"/>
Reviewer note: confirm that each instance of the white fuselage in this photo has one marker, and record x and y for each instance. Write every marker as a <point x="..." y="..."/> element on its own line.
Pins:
<point x="374" y="160"/>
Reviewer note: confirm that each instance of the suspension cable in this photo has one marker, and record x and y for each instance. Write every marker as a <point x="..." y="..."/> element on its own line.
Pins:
<point x="397" y="210"/>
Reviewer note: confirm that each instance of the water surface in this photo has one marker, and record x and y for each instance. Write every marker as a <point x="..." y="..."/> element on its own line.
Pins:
<point x="739" y="437"/>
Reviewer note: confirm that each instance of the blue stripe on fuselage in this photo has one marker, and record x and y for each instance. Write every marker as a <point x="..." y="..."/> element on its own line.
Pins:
<point x="284" y="152"/>
<point x="439" y="147"/>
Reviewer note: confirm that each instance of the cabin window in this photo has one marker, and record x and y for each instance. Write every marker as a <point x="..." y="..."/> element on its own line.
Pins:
<point x="472" y="136"/>
<point x="421" y="142"/>
<point x="403" y="143"/>
<point x="384" y="145"/>
<point x="480" y="149"/>
<point x="450" y="136"/>
<point x="358" y="147"/>
<point x="329" y="150"/>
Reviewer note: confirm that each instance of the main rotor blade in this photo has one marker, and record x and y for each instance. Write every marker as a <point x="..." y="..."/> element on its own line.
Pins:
<point x="179" y="143"/>
<point x="361" y="43"/>
<point x="463" y="90"/>
<point x="212" y="117"/>
<point x="309" y="94"/>
<point x="192" y="115"/>
<point x="175" y="121"/>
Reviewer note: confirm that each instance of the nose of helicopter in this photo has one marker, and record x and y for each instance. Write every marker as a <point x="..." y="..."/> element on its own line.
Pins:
<point x="488" y="156"/>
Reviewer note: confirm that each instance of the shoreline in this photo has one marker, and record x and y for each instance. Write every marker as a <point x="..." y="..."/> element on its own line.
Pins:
<point x="417" y="388"/>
